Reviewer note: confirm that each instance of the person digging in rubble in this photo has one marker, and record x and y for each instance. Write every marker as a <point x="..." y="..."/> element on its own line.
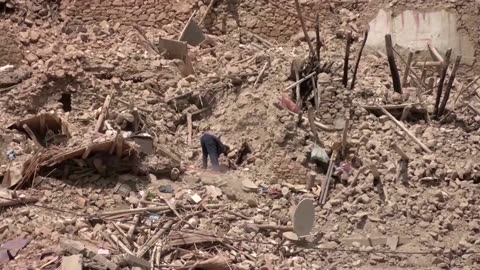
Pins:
<point x="212" y="147"/>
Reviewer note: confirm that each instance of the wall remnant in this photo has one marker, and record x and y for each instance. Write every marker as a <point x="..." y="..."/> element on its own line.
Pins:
<point x="414" y="30"/>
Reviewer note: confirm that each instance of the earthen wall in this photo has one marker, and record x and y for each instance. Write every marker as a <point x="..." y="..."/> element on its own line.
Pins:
<point x="268" y="19"/>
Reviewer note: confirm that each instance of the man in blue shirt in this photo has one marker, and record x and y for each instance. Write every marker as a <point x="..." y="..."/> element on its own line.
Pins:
<point x="213" y="147"/>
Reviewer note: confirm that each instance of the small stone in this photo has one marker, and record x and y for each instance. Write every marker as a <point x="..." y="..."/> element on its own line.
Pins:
<point x="31" y="58"/>
<point x="34" y="36"/>
<point x="363" y="199"/>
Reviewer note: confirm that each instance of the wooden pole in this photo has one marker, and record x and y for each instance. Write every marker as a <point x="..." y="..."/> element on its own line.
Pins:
<point x="446" y="62"/>
<point x="397" y="87"/>
<point x="189" y="126"/>
<point x="317" y="37"/>
<point x="358" y="60"/>
<point x="304" y="28"/>
<point x="441" y="110"/>
<point x="206" y="12"/>
<point x="345" y="62"/>
<point x="407" y="68"/>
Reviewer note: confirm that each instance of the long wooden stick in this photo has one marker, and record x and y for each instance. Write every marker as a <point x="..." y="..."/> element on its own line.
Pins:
<point x="206" y="12"/>
<point x="316" y="94"/>
<point x="324" y="192"/>
<point x="189" y="124"/>
<point x="103" y="113"/>
<point x="441" y="110"/>
<point x="397" y="87"/>
<point x="465" y="88"/>
<point x="407" y="68"/>
<point x="145" y="39"/>
<point x="409" y="134"/>
<point x="354" y="78"/>
<point x="345" y="61"/>
<point x="304" y="28"/>
<point x="446" y="62"/>
<point x="15" y="202"/>
<point x="261" y="73"/>
<point x="153" y="209"/>
<point x="300" y="81"/>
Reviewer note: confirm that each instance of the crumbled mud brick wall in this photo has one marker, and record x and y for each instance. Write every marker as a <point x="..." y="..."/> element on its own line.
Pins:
<point x="258" y="16"/>
<point x="153" y="13"/>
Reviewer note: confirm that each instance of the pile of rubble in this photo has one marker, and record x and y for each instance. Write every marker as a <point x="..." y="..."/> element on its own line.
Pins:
<point x="337" y="161"/>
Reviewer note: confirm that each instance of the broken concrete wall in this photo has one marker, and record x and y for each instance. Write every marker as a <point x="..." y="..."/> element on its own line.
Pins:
<point x="276" y="20"/>
<point x="414" y="29"/>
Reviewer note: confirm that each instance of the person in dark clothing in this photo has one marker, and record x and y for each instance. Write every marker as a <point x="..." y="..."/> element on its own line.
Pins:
<point x="213" y="147"/>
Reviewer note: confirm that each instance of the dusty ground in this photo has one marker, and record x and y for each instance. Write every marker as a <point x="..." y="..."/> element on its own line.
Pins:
<point x="436" y="212"/>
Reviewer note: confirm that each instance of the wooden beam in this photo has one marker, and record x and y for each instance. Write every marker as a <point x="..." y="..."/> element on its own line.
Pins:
<point x="397" y="87"/>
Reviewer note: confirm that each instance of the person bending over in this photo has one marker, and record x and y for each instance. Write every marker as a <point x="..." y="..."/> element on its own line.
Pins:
<point x="212" y="147"/>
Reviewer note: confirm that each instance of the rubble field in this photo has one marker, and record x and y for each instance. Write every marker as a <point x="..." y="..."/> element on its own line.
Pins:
<point x="344" y="155"/>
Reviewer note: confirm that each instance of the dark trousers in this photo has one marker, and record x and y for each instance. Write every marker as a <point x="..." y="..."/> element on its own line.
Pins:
<point x="210" y="149"/>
